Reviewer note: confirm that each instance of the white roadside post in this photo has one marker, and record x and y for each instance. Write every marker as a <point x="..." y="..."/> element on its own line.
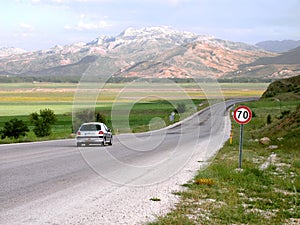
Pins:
<point x="242" y="115"/>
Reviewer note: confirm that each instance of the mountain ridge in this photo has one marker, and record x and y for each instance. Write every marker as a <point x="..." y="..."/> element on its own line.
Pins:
<point x="156" y="51"/>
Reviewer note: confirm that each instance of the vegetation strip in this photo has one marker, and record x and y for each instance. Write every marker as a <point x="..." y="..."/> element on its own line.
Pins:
<point x="265" y="191"/>
<point x="19" y="100"/>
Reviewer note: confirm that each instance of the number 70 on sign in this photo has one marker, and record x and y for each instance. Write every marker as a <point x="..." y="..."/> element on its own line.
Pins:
<point x="242" y="115"/>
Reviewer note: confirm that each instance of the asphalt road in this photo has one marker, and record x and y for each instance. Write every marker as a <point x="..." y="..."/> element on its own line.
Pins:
<point x="30" y="172"/>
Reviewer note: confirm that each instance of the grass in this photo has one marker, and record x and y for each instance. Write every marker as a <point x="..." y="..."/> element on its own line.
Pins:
<point x="223" y="194"/>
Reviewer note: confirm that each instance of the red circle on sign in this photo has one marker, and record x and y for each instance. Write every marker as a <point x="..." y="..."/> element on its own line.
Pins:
<point x="242" y="114"/>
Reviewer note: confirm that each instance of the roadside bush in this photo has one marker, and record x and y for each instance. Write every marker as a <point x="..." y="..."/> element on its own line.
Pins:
<point x="100" y="118"/>
<point x="43" y="122"/>
<point x="87" y="116"/>
<point x="180" y="108"/>
<point x="284" y="113"/>
<point x="14" y="129"/>
<point x="269" y="119"/>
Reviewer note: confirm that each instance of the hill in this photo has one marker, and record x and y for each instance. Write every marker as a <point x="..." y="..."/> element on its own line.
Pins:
<point x="284" y="89"/>
<point x="278" y="46"/>
<point x="286" y="125"/>
<point x="286" y="58"/>
<point x="279" y="66"/>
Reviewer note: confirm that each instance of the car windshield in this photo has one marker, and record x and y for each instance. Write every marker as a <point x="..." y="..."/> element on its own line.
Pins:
<point x="90" y="127"/>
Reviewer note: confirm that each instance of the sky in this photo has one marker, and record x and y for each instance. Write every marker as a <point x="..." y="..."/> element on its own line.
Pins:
<point x="42" y="24"/>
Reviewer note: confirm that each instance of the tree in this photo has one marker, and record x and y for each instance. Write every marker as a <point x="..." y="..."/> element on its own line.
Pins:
<point x="14" y="129"/>
<point x="43" y="122"/>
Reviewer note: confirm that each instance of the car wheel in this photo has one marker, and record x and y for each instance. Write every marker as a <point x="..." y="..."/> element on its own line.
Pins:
<point x="110" y="141"/>
<point x="104" y="141"/>
<point x="78" y="144"/>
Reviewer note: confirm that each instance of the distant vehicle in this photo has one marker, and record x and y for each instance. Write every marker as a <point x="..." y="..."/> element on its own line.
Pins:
<point x="93" y="133"/>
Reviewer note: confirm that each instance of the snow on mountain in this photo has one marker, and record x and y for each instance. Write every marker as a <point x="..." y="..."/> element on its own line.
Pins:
<point x="155" y="32"/>
<point x="6" y="51"/>
<point x="131" y="35"/>
<point x="101" y="40"/>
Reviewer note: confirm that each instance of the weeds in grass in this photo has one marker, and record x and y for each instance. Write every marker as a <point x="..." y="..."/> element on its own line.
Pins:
<point x="204" y="181"/>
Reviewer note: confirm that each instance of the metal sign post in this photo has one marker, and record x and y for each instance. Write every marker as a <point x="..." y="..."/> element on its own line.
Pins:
<point x="242" y="115"/>
<point x="241" y="145"/>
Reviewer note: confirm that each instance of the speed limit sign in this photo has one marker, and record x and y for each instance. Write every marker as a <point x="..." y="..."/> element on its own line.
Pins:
<point x="242" y="115"/>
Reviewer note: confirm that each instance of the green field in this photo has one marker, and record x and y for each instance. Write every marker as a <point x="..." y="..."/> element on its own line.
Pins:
<point x="147" y="101"/>
<point x="25" y="98"/>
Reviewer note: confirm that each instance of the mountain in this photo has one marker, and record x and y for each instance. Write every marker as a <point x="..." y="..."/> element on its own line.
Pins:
<point x="278" y="46"/>
<point x="148" y="52"/>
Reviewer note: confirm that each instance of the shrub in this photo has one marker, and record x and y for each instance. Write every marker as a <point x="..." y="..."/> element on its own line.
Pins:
<point x="43" y="122"/>
<point x="100" y="118"/>
<point x="284" y="113"/>
<point x="269" y="119"/>
<point x="180" y="108"/>
<point x="87" y="116"/>
<point x="14" y="129"/>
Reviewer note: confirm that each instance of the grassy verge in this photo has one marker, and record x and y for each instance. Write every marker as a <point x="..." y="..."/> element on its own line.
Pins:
<point x="265" y="191"/>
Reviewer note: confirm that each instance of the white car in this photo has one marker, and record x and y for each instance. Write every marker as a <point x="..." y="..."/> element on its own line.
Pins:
<point x="93" y="133"/>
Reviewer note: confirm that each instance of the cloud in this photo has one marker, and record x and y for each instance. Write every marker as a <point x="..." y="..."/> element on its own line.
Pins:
<point x="176" y="2"/>
<point x="81" y="26"/>
<point x="169" y="2"/>
<point x="27" y="27"/>
<point x="93" y="26"/>
<point x="22" y="35"/>
<point x="58" y="1"/>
